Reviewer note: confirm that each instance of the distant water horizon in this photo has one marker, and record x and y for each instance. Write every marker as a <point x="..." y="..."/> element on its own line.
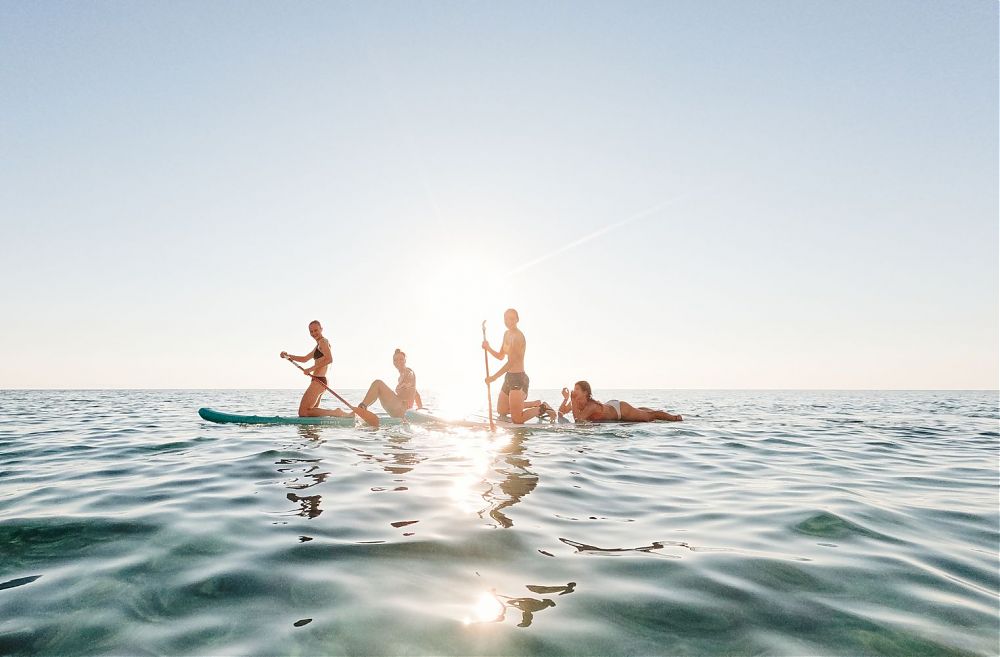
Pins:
<point x="997" y="390"/>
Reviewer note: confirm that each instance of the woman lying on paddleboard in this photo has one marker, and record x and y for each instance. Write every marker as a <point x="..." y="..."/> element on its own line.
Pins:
<point x="587" y="409"/>
<point x="395" y="402"/>
<point x="309" y="406"/>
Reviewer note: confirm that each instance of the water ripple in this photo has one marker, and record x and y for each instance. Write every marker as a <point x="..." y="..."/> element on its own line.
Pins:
<point x="782" y="523"/>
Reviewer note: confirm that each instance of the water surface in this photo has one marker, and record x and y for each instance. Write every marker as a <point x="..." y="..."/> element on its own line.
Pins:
<point x="782" y="523"/>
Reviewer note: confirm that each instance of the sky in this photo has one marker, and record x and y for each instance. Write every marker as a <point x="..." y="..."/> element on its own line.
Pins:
<point x="674" y="194"/>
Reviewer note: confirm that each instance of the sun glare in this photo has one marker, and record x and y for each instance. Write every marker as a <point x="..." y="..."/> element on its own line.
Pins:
<point x="477" y="450"/>
<point x="486" y="609"/>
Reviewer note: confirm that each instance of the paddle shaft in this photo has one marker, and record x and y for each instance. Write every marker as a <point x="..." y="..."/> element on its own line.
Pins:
<point x="489" y="392"/>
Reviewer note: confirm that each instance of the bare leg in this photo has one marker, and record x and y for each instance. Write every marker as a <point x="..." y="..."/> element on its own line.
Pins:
<point x="309" y="406"/>
<point x="632" y="414"/>
<point x="386" y="396"/>
<point x="518" y="413"/>
<point x="503" y="404"/>
<point x="662" y="415"/>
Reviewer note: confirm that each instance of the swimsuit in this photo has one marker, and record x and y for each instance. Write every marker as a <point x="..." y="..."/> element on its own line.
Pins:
<point x="319" y="354"/>
<point x="617" y="405"/>
<point x="407" y="382"/>
<point x="515" y="381"/>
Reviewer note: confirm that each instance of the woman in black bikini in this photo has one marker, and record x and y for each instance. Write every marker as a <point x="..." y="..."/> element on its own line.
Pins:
<point x="309" y="406"/>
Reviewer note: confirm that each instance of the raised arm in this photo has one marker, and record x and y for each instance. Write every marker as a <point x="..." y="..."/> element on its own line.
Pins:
<point x="566" y="406"/>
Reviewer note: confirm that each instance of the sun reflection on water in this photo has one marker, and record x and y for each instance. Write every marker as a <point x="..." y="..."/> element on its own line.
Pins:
<point x="477" y="450"/>
<point x="487" y="609"/>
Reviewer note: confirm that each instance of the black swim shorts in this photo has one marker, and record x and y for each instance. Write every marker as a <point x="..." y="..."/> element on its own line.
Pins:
<point x="515" y="381"/>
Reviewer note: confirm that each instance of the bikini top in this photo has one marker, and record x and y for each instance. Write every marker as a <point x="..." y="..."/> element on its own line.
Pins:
<point x="406" y="380"/>
<point x="317" y="354"/>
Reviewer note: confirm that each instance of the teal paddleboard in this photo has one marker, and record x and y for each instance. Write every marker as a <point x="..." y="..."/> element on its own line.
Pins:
<point x="231" y="418"/>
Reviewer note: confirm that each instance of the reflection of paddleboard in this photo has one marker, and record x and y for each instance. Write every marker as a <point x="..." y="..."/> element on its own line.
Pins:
<point x="424" y="417"/>
<point x="217" y="416"/>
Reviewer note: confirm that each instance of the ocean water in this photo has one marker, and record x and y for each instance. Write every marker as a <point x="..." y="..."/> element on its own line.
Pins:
<point x="779" y="523"/>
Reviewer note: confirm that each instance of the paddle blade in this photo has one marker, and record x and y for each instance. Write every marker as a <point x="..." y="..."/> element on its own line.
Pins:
<point x="367" y="416"/>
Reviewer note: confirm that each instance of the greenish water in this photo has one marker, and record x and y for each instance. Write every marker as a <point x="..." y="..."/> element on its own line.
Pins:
<point x="781" y="523"/>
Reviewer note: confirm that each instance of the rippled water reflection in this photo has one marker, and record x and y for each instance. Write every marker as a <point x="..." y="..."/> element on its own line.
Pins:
<point x="785" y="523"/>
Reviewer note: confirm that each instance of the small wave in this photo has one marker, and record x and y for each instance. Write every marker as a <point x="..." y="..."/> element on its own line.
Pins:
<point x="829" y="525"/>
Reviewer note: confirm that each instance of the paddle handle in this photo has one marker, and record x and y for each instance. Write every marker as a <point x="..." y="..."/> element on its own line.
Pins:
<point x="489" y="392"/>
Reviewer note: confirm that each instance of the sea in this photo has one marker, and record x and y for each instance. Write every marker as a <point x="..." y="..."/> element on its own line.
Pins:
<point x="766" y="523"/>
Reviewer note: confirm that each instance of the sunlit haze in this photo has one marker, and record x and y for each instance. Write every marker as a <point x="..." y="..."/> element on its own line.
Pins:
<point x="672" y="194"/>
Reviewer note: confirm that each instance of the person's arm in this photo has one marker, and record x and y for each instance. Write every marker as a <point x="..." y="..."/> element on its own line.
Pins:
<point x="297" y="359"/>
<point x="417" y="400"/>
<point x="496" y="375"/>
<point x="499" y="355"/>
<point x="566" y="406"/>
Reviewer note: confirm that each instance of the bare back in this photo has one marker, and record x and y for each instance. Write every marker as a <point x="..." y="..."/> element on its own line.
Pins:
<point x="514" y="345"/>
<point x="589" y="411"/>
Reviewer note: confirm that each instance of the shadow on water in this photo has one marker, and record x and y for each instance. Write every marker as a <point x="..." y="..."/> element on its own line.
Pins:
<point x="493" y="607"/>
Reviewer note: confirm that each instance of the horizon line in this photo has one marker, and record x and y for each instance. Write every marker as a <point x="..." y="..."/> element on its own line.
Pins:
<point x="997" y="390"/>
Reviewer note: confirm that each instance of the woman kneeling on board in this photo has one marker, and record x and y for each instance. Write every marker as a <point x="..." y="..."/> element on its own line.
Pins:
<point x="309" y="406"/>
<point x="587" y="409"/>
<point x="395" y="402"/>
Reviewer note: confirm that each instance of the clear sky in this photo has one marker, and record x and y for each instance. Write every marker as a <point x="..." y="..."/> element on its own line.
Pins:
<point x="722" y="194"/>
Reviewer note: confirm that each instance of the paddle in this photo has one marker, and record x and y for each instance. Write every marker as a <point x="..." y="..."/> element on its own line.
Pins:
<point x="489" y="393"/>
<point x="363" y="413"/>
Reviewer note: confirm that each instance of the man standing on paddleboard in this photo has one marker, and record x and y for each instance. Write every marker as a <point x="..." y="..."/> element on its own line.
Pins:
<point x="514" y="393"/>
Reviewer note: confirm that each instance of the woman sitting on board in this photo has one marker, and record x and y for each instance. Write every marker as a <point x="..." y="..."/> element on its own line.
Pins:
<point x="587" y="409"/>
<point x="309" y="406"/>
<point x="395" y="402"/>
